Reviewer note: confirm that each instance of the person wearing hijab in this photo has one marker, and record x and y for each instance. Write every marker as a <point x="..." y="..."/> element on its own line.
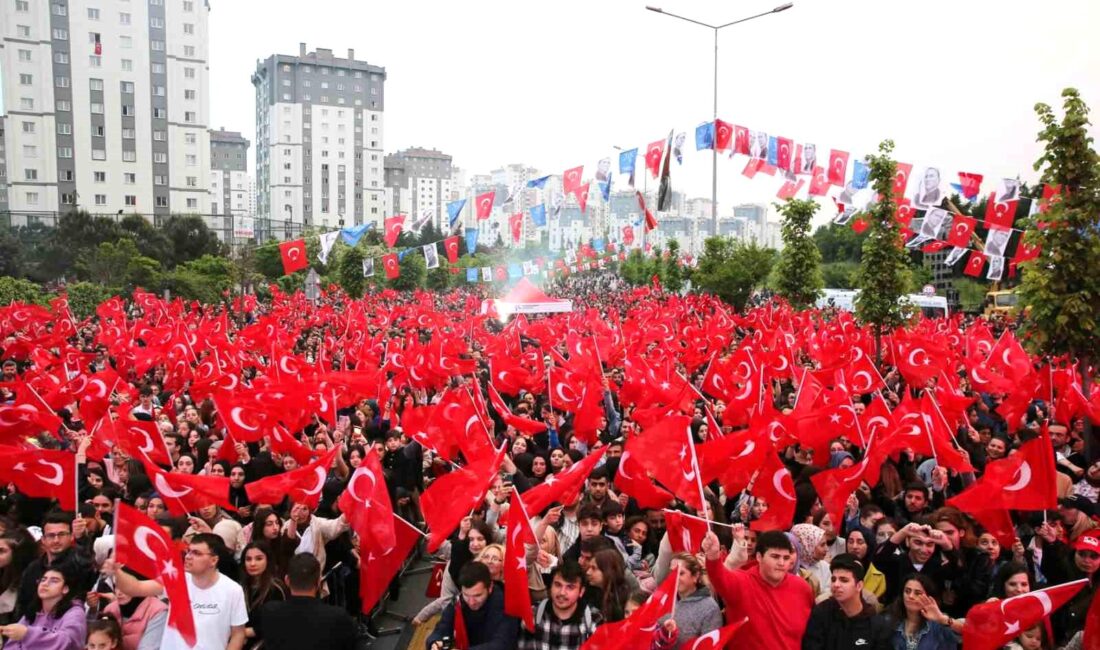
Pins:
<point x="812" y="549"/>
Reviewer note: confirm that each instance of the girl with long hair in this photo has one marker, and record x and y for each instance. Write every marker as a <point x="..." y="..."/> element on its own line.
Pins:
<point x="52" y="620"/>
<point x="607" y="584"/>
<point x="261" y="585"/>
<point x="17" y="550"/>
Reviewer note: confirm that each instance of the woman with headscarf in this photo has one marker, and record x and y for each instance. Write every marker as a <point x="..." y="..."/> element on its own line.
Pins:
<point x="812" y="549"/>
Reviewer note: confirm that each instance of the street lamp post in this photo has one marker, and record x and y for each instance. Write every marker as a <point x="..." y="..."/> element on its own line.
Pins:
<point x="714" y="147"/>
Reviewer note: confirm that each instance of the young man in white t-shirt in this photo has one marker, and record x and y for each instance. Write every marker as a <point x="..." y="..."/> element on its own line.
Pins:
<point x="217" y="601"/>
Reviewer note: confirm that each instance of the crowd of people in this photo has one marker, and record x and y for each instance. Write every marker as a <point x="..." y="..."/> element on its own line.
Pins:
<point x="898" y="563"/>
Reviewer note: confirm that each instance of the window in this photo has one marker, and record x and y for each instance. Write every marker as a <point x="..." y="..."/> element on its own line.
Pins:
<point x="61" y="82"/>
<point x="24" y="31"/>
<point x="32" y="198"/>
<point x="101" y="199"/>
<point x="189" y="116"/>
<point x="192" y="203"/>
<point x="189" y="28"/>
<point x="156" y="22"/>
<point x="160" y="113"/>
<point x="64" y="128"/>
<point x="130" y="199"/>
<point x="189" y="94"/>
<point x="127" y="134"/>
<point x="97" y="107"/>
<point x="190" y="138"/>
<point x="30" y="174"/>
<point x="99" y="177"/>
<point x="324" y="85"/>
<point x="30" y="151"/>
<point x="160" y="180"/>
<point x="28" y="127"/>
<point x="307" y="98"/>
<point x="189" y="50"/>
<point x="188" y="73"/>
<point x="26" y="79"/>
<point x="93" y="13"/>
<point x="24" y="56"/>
<point x="129" y="156"/>
<point x="127" y="87"/>
<point x="60" y="10"/>
<point x="61" y="57"/>
<point x="158" y="91"/>
<point x="160" y="157"/>
<point x="127" y="111"/>
<point x="95" y="84"/>
<point x="188" y="6"/>
<point x="156" y="46"/>
<point x="126" y="42"/>
<point x="306" y="83"/>
<point x="99" y="154"/>
<point x="66" y="175"/>
<point x="286" y="82"/>
<point x="67" y="198"/>
<point x="286" y="97"/>
<point x="127" y="65"/>
<point x="160" y="136"/>
<point x="95" y="61"/>
<point x="58" y="34"/>
<point x="130" y="178"/>
<point x="156" y="68"/>
<point x="63" y="105"/>
<point x="22" y="6"/>
<point x="192" y="181"/>
<point x="191" y="159"/>
<point x="124" y="18"/>
<point x="162" y="201"/>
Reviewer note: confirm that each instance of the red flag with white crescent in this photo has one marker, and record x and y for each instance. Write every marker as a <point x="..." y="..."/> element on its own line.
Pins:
<point x="41" y="473"/>
<point x="450" y="245"/>
<point x="142" y="545"/>
<point x="302" y="485"/>
<point x="391" y="265"/>
<point x="294" y="256"/>
<point x="393" y="226"/>
<point x="381" y="561"/>
<point x="962" y="227"/>
<point x="571" y="179"/>
<point x="901" y="178"/>
<point x="483" y="204"/>
<point x="993" y="624"/>
<point x="838" y="167"/>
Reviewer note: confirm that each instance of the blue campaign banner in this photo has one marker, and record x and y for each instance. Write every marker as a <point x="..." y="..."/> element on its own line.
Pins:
<point x="704" y="136"/>
<point x="454" y="208"/>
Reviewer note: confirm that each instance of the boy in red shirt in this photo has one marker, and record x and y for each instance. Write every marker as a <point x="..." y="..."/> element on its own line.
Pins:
<point x="777" y="603"/>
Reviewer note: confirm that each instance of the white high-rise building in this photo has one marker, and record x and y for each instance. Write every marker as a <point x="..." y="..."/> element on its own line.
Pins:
<point x="231" y="188"/>
<point x="418" y="184"/>
<point x="318" y="142"/>
<point x="107" y="103"/>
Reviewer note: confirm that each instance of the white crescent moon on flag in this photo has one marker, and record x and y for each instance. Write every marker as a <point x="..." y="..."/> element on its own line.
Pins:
<point x="141" y="541"/>
<point x="362" y="471"/>
<point x="913" y="353"/>
<point x="166" y="490"/>
<point x="58" y="476"/>
<point x="711" y="638"/>
<point x="293" y="252"/>
<point x="320" y="473"/>
<point x="235" y="416"/>
<point x="777" y="483"/>
<point x="622" y="466"/>
<point x="865" y="386"/>
<point x="1023" y="478"/>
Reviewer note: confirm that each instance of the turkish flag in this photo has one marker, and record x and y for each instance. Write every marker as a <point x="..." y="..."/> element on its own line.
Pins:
<point x="563" y="487"/>
<point x="462" y="639"/>
<point x="715" y="639"/>
<point x="136" y="438"/>
<point x="294" y="255"/>
<point x="380" y="561"/>
<point x="244" y="418"/>
<point x="391" y="265"/>
<point x="628" y="235"/>
<point x="904" y="212"/>
<point x="450" y="245"/>
<point x="753" y="166"/>
<point x="1026" y="252"/>
<point x="819" y="184"/>
<point x="901" y="178"/>
<point x="860" y="224"/>
<point x="974" y="264"/>
<point x="999" y="214"/>
<point x="186" y="493"/>
<point x="654" y="152"/>
<point x="521" y="424"/>
<point x="993" y="624"/>
<point x="789" y="189"/>
<point x="515" y="226"/>
<point x="723" y="134"/>
<point x="454" y="495"/>
<point x="775" y="486"/>
<point x="393" y="227"/>
<point x="631" y="479"/>
<point x="834" y="486"/>
<point x="302" y="485"/>
<point x="41" y="473"/>
<point x="971" y="185"/>
<point x="636" y="631"/>
<point x="666" y="450"/>
<point x="517" y="595"/>
<point x="142" y="545"/>
<point x="685" y="532"/>
<point x="732" y="459"/>
<point x="435" y="582"/>
<point x="571" y="179"/>
<point x="582" y="197"/>
<point x="484" y="204"/>
<point x="1051" y="195"/>
<point x="741" y="140"/>
<point x="784" y="152"/>
<point x="838" y="167"/>
<point x="962" y="228"/>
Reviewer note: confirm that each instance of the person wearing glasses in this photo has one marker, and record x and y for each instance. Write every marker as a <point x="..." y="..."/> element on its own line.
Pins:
<point x="52" y="621"/>
<point x="60" y="531"/>
<point x="218" y="602"/>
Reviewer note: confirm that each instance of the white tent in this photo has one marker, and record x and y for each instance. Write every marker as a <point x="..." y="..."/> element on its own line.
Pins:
<point x="525" y="298"/>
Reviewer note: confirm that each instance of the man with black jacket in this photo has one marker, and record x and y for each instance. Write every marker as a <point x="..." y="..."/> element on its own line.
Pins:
<point x="486" y="625"/>
<point x="280" y="623"/>
<point x="916" y="548"/>
<point x="60" y="531"/>
<point x="845" y="620"/>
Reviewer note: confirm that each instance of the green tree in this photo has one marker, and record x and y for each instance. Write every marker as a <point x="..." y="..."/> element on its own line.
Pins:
<point x="1062" y="286"/>
<point x="674" y="274"/>
<point x="269" y="261"/>
<point x="11" y="254"/>
<point x="151" y="241"/>
<point x="412" y="275"/>
<point x="732" y="269"/>
<point x="838" y="243"/>
<point x="189" y="238"/>
<point x="798" y="272"/>
<point x="349" y="272"/>
<point x="439" y="278"/>
<point x="77" y="233"/>
<point x="118" y="264"/>
<point x="884" y="268"/>
<point x="18" y="289"/>
<point x="840" y="275"/>
<point x="84" y="297"/>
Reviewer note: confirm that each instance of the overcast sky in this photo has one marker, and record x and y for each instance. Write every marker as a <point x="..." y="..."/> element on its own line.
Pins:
<point x="557" y="84"/>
